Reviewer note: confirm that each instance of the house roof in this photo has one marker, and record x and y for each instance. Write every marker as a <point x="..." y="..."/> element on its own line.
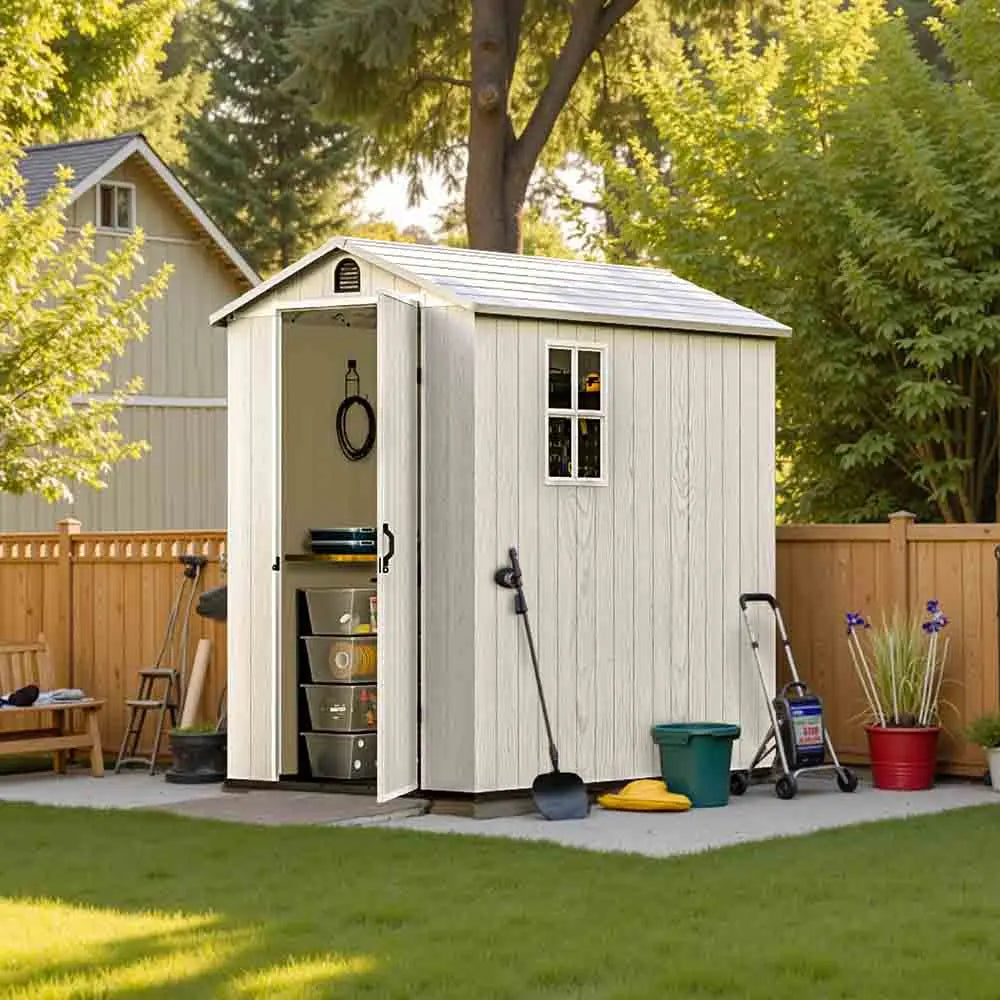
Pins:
<point x="542" y="287"/>
<point x="91" y="160"/>
<point x="39" y="164"/>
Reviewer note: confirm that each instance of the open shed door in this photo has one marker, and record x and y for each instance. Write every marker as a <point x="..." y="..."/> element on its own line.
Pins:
<point x="397" y="450"/>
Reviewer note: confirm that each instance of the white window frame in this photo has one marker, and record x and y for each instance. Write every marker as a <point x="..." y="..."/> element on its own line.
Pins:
<point x="574" y="413"/>
<point x="130" y="187"/>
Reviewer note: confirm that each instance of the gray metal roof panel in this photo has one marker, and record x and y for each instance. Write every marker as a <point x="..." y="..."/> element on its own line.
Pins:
<point x="542" y="287"/>
<point x="39" y="164"/>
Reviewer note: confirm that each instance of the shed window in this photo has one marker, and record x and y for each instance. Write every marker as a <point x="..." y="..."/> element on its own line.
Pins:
<point x="576" y="413"/>
<point x="347" y="276"/>
<point x="116" y="206"/>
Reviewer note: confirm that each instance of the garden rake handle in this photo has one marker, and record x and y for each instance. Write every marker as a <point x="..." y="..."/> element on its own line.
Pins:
<point x="521" y="607"/>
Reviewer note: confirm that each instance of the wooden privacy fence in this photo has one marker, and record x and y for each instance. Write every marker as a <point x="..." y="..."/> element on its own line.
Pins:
<point x="103" y="600"/>
<point x="823" y="571"/>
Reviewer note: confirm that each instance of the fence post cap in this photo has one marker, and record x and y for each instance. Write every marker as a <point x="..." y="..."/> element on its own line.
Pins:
<point x="69" y="525"/>
<point x="902" y="515"/>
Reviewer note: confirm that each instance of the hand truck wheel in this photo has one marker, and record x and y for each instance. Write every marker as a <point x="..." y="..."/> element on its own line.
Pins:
<point x="847" y="780"/>
<point x="786" y="787"/>
<point x="739" y="781"/>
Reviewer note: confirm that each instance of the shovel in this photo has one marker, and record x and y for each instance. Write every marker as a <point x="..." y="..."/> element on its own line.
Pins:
<point x="557" y="794"/>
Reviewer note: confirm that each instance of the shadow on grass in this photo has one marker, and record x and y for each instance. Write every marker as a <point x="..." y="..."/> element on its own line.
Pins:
<point x="131" y="904"/>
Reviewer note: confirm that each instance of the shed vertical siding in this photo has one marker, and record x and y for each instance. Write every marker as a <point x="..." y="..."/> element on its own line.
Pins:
<point x="449" y="518"/>
<point x="632" y="586"/>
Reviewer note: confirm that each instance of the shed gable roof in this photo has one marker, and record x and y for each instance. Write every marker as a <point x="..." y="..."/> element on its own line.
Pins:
<point x="91" y="160"/>
<point x="542" y="287"/>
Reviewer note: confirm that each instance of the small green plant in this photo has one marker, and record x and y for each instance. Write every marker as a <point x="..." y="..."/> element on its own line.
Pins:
<point x="195" y="728"/>
<point x="900" y="666"/>
<point x="984" y="731"/>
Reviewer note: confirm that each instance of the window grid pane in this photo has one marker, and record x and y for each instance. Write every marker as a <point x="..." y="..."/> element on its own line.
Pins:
<point x="107" y="219"/>
<point x="123" y="197"/>
<point x="560" y="447"/>
<point x="589" y="447"/>
<point x="560" y="378"/>
<point x="576" y="412"/>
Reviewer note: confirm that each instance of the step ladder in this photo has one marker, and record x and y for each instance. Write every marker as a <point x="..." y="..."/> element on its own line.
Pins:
<point x="170" y="682"/>
<point x="149" y="700"/>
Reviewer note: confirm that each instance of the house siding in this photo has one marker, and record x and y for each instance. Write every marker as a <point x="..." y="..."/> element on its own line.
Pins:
<point x="180" y="483"/>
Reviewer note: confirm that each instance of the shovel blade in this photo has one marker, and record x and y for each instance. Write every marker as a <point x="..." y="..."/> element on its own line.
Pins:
<point x="561" y="795"/>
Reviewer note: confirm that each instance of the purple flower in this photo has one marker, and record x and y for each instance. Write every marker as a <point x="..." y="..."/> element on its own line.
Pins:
<point x="937" y="619"/>
<point x="855" y="620"/>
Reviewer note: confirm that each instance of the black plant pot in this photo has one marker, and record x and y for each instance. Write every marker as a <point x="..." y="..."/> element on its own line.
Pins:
<point x="198" y="758"/>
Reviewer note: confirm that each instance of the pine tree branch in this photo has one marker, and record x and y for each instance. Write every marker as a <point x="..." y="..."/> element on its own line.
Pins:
<point x="452" y="81"/>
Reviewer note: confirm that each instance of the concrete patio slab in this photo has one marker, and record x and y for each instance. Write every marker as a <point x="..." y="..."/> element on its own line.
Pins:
<point x="128" y="790"/>
<point x="281" y="808"/>
<point x="758" y="815"/>
<point x="135" y="790"/>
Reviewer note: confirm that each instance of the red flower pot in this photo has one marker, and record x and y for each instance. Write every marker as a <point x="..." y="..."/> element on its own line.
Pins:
<point x="903" y="760"/>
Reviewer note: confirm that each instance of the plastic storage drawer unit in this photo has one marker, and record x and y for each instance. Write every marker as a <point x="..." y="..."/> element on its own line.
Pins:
<point x="341" y="659"/>
<point x="341" y="610"/>
<point x="341" y="755"/>
<point x="342" y="707"/>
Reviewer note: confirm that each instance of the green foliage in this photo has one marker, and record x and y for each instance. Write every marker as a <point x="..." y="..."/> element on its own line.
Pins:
<point x="402" y="71"/>
<point x="984" y="731"/>
<point x="900" y="665"/>
<point x="274" y="179"/>
<point x="195" y="729"/>
<point x="78" y="63"/>
<point x="542" y="236"/>
<point x="63" y="315"/>
<point x="832" y="179"/>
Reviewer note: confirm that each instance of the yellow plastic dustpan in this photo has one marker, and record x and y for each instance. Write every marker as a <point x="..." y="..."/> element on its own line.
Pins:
<point x="645" y="795"/>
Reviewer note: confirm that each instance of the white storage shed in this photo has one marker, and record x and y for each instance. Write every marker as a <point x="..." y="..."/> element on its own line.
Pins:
<point x="615" y="424"/>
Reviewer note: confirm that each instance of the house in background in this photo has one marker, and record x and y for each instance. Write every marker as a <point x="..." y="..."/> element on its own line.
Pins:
<point x="120" y="184"/>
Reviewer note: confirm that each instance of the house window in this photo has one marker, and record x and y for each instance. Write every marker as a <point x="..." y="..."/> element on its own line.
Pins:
<point x="116" y="206"/>
<point x="576" y="413"/>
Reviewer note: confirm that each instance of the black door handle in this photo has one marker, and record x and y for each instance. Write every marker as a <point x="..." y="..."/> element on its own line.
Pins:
<point x="392" y="546"/>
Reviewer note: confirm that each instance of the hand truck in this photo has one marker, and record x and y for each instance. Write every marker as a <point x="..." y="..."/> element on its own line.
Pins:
<point x="797" y="737"/>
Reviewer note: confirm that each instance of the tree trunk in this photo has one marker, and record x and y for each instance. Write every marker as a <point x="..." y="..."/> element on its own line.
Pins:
<point x="493" y="223"/>
<point x="500" y="163"/>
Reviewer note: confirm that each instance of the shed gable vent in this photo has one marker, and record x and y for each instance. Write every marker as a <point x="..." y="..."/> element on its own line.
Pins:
<point x="347" y="276"/>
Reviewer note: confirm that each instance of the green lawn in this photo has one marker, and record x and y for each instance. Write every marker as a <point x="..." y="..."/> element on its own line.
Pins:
<point x="98" y="904"/>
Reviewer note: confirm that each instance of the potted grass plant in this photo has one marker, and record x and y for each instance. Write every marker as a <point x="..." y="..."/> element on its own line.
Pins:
<point x="900" y="666"/>
<point x="985" y="732"/>
<point x="198" y="754"/>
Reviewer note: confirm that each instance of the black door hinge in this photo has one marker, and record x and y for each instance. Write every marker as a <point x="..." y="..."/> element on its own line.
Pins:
<point x="277" y="564"/>
<point x="420" y="375"/>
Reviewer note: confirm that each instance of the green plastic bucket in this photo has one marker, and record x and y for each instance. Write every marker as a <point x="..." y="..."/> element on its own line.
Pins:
<point x="695" y="758"/>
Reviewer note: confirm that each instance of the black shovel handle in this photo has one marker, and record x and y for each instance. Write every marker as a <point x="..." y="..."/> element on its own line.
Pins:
<point x="521" y="607"/>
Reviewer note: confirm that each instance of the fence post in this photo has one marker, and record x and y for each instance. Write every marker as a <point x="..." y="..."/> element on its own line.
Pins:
<point x="899" y="559"/>
<point x="68" y="527"/>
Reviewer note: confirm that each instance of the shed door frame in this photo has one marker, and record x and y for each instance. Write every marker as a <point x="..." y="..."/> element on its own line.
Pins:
<point x="282" y="710"/>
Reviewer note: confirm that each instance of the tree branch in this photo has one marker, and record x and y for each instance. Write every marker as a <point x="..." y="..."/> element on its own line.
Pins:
<point x="590" y="24"/>
<point x="611" y="15"/>
<point x="515" y="15"/>
<point x="454" y="81"/>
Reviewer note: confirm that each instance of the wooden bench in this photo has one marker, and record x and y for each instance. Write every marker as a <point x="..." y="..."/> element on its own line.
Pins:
<point x="23" y="663"/>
